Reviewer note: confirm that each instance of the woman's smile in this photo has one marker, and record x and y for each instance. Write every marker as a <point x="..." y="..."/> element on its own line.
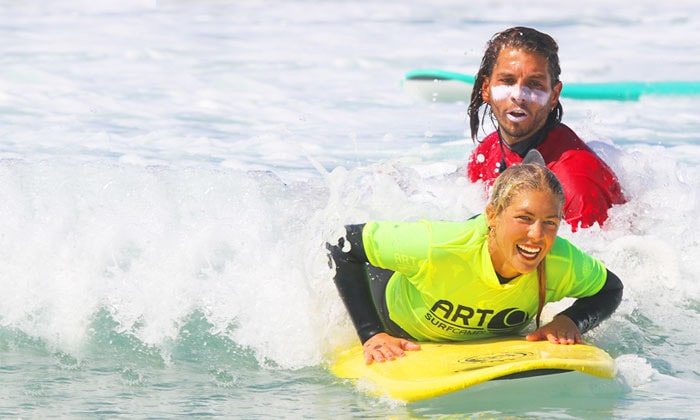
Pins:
<point x="529" y="252"/>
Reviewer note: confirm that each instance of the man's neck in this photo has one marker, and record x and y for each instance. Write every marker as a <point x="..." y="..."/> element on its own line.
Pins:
<point x="523" y="146"/>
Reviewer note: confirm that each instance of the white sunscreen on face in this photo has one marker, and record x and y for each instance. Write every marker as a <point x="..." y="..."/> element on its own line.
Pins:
<point x="524" y="94"/>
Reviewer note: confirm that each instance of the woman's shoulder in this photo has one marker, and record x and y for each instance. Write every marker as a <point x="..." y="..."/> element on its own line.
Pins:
<point x="566" y="252"/>
<point x="461" y="231"/>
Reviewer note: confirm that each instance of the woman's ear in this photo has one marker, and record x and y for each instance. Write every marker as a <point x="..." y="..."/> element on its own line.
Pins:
<point x="490" y="216"/>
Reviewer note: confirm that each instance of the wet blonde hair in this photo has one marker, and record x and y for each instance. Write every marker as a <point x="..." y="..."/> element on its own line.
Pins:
<point x="521" y="178"/>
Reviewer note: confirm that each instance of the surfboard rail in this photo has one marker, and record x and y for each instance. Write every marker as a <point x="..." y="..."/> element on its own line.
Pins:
<point x="449" y="86"/>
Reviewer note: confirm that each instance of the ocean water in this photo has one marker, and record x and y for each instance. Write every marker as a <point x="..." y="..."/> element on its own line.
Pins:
<point x="171" y="170"/>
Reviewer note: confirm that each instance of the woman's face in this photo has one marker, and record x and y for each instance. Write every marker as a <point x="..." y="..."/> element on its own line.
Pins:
<point x="523" y="233"/>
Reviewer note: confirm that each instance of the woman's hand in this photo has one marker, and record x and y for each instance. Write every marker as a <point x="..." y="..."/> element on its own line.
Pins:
<point x="562" y="330"/>
<point x="382" y="347"/>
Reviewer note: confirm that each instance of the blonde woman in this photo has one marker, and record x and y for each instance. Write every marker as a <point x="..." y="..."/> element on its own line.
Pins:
<point x="487" y="276"/>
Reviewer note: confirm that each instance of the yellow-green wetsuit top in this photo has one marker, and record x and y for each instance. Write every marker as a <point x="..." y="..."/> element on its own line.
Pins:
<point x="445" y="288"/>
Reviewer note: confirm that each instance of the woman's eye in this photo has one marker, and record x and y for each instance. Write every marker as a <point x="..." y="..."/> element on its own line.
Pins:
<point x="551" y="223"/>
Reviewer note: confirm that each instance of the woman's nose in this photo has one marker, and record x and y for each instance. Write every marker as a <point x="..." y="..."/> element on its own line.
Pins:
<point x="536" y="230"/>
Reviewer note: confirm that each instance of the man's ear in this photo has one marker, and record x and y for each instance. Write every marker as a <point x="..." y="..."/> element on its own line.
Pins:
<point x="485" y="95"/>
<point x="556" y="92"/>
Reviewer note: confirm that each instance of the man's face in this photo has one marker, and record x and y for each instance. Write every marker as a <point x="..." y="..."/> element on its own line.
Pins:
<point x="520" y="93"/>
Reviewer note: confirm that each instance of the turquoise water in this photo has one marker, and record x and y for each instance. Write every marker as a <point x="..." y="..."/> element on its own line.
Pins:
<point x="170" y="172"/>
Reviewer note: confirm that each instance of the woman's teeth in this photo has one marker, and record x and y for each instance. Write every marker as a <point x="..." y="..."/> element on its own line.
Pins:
<point x="529" y="251"/>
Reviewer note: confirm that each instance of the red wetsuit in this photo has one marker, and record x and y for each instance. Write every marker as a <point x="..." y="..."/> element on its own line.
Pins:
<point x="590" y="186"/>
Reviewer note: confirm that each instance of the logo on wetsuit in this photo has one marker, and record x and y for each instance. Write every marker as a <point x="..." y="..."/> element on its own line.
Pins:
<point x="464" y="320"/>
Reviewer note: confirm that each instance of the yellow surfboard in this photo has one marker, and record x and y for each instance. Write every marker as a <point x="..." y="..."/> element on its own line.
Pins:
<point x="440" y="368"/>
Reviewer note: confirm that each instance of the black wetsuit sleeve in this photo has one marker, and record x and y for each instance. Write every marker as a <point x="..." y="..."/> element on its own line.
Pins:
<point x="590" y="311"/>
<point x="351" y="281"/>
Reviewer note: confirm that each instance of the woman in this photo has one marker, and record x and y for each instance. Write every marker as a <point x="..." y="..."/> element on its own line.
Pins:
<point x="443" y="281"/>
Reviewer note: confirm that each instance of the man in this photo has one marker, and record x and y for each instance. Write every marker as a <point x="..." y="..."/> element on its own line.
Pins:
<point x="518" y="85"/>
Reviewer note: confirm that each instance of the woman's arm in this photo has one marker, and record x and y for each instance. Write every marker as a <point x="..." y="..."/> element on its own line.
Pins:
<point x="352" y="285"/>
<point x="590" y="311"/>
<point x="353" y="288"/>
<point x="584" y="314"/>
